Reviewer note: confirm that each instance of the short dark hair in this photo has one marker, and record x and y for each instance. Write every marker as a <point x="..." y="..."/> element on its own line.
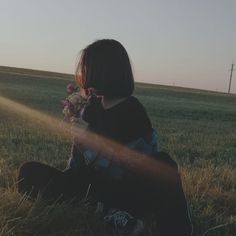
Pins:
<point x="105" y="66"/>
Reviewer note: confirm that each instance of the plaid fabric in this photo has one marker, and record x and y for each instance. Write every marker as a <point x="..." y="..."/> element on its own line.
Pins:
<point x="96" y="160"/>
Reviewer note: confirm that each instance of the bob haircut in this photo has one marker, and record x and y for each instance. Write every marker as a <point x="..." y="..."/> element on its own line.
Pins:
<point x="105" y="66"/>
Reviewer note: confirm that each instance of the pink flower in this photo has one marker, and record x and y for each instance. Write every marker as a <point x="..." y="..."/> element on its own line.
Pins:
<point x="73" y="103"/>
<point x="65" y="102"/>
<point x="70" y="88"/>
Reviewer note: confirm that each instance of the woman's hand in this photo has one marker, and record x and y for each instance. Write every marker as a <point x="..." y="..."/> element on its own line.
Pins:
<point x="78" y="127"/>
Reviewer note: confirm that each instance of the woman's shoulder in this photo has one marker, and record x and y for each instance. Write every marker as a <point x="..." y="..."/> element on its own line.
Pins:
<point x="134" y="119"/>
<point x="136" y="108"/>
<point x="130" y="111"/>
<point x="133" y="100"/>
<point x="130" y="104"/>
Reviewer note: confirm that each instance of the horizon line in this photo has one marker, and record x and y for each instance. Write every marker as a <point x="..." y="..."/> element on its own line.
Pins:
<point x="137" y="82"/>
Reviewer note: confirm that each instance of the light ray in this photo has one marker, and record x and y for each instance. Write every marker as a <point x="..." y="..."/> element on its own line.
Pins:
<point x="133" y="160"/>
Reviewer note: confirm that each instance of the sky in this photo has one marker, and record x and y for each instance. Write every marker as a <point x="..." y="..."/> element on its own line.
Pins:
<point x="187" y="43"/>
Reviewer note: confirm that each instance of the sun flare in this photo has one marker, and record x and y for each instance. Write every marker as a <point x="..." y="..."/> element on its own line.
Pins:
<point x="133" y="160"/>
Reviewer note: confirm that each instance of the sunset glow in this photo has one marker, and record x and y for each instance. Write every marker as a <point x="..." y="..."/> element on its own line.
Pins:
<point x="179" y="43"/>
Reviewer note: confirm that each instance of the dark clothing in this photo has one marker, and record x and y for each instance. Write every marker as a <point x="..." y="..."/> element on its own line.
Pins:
<point x="137" y="196"/>
<point x="123" y="123"/>
<point x="51" y="183"/>
<point x="126" y="123"/>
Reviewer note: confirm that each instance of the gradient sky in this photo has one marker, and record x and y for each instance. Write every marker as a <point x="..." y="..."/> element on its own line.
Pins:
<point x="188" y="43"/>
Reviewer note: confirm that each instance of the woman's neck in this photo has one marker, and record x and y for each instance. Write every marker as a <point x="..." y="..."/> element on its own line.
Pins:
<point x="108" y="102"/>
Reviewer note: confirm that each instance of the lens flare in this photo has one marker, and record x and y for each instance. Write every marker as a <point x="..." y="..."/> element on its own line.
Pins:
<point x="137" y="162"/>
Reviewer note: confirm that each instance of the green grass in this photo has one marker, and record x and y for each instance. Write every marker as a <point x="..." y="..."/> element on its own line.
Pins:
<point x="197" y="128"/>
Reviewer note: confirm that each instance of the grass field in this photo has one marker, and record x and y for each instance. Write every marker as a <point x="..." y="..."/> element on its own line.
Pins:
<point x="197" y="128"/>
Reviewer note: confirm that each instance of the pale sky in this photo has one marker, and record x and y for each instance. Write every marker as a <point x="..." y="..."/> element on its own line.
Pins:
<point x="188" y="43"/>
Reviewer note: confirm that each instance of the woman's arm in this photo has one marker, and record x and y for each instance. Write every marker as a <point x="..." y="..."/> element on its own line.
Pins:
<point x="76" y="157"/>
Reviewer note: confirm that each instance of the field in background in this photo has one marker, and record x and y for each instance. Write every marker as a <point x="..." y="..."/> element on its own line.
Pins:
<point x="197" y="128"/>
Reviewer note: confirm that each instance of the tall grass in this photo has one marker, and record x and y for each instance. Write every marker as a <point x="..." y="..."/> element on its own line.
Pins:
<point x="197" y="128"/>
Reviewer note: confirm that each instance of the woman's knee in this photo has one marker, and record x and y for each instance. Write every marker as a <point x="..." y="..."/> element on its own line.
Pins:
<point x="33" y="175"/>
<point x="24" y="175"/>
<point x="27" y="168"/>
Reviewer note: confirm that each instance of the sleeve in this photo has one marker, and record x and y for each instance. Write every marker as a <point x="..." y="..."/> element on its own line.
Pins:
<point x="141" y="145"/>
<point x="76" y="157"/>
<point x="147" y="146"/>
<point x="91" y="112"/>
<point x="136" y="123"/>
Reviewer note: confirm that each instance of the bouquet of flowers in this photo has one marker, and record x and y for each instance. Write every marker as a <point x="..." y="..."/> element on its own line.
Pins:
<point x="73" y="103"/>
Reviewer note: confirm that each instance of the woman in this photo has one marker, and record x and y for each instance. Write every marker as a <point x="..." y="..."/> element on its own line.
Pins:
<point x="113" y="159"/>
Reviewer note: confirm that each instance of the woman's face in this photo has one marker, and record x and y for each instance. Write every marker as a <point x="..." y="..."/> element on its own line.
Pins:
<point x="78" y="78"/>
<point x="80" y="73"/>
